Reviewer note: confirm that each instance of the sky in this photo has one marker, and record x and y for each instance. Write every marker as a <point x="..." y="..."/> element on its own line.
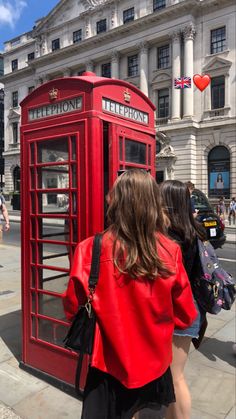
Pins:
<point x="19" y="16"/>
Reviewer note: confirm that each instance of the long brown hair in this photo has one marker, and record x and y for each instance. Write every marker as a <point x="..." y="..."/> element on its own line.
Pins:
<point x="134" y="217"/>
<point x="177" y="203"/>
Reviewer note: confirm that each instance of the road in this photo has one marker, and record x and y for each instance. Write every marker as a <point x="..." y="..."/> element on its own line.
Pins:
<point x="226" y="254"/>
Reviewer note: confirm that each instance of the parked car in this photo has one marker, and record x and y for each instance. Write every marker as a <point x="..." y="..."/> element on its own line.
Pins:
<point x="210" y="220"/>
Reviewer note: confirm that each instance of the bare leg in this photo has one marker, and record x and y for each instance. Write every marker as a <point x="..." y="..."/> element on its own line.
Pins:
<point x="181" y="409"/>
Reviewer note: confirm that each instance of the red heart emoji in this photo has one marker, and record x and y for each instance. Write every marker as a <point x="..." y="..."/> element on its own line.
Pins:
<point x="201" y="82"/>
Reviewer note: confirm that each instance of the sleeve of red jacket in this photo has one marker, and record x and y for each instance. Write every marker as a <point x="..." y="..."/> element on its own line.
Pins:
<point x="75" y="294"/>
<point x="183" y="304"/>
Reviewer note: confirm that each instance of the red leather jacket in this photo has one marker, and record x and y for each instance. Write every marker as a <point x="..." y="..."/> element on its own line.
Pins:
<point x="135" y="318"/>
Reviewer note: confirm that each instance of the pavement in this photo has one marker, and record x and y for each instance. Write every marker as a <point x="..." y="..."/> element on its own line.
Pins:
<point x="210" y="371"/>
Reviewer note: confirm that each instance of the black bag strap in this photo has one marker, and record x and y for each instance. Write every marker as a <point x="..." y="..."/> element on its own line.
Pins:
<point x="95" y="265"/>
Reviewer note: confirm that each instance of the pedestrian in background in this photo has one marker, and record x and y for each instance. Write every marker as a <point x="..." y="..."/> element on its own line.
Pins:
<point x="232" y="210"/>
<point x="221" y="208"/>
<point x="191" y="188"/>
<point x="142" y="293"/>
<point x="4" y="212"/>
<point x="184" y="229"/>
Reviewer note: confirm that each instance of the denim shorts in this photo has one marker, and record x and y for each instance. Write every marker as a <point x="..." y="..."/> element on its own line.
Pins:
<point x="193" y="330"/>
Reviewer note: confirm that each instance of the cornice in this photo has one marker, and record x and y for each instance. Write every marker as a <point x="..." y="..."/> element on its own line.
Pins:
<point x="16" y="75"/>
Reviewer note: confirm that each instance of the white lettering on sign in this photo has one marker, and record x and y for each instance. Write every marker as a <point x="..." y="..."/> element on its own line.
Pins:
<point x="124" y="110"/>
<point x="65" y="106"/>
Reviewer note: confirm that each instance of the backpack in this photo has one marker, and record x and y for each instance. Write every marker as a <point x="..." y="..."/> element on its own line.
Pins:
<point x="214" y="288"/>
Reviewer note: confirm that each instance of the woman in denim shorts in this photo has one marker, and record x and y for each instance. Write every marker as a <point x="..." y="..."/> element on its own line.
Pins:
<point x="184" y="229"/>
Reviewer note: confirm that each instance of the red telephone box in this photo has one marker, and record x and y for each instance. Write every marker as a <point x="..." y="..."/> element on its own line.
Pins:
<point x="76" y="134"/>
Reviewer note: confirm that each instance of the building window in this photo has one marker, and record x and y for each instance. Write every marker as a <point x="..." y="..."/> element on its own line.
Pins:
<point x="14" y="99"/>
<point x="219" y="172"/>
<point x="80" y="73"/>
<point x="218" y="40"/>
<point x="128" y="15"/>
<point x="217" y="92"/>
<point x="102" y="26"/>
<point x="56" y="44"/>
<point x="14" y="65"/>
<point x="106" y="70"/>
<point x="30" y="89"/>
<point x="133" y="66"/>
<point x="163" y="57"/>
<point x="16" y="179"/>
<point x="31" y="56"/>
<point x="77" y="36"/>
<point x="163" y="103"/>
<point x="15" y="132"/>
<point x="159" y="4"/>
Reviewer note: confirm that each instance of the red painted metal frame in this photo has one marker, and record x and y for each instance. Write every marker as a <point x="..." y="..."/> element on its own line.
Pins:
<point x="87" y="127"/>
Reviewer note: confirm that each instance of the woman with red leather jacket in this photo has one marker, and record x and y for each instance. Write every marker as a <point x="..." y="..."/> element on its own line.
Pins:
<point x="142" y="294"/>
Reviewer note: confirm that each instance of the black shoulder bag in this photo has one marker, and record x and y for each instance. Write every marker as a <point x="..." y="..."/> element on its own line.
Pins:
<point x="80" y="337"/>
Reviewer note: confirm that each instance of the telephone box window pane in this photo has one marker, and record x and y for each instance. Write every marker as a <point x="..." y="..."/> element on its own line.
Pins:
<point x="33" y="327"/>
<point x="53" y="151"/>
<point x="52" y="332"/>
<point x="53" y="229"/>
<point x="49" y="203"/>
<point x="51" y="280"/>
<point x="135" y="152"/>
<point x="33" y="277"/>
<point x="54" y="177"/>
<point x="120" y="148"/>
<point x="32" y="179"/>
<point x="54" y="255"/>
<point x="33" y="252"/>
<point x="32" y="153"/>
<point x="32" y="201"/>
<point x="33" y="229"/>
<point x="33" y="302"/>
<point x="51" y="306"/>
<point x="74" y="175"/>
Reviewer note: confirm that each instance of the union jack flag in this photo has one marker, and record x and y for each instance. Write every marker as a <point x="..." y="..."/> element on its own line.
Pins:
<point x="182" y="82"/>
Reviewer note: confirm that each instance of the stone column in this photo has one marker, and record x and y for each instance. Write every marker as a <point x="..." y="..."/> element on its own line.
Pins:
<point x="176" y="72"/>
<point x="115" y="65"/>
<point x="67" y="72"/>
<point x="89" y="66"/>
<point x="189" y="34"/>
<point x="144" y="67"/>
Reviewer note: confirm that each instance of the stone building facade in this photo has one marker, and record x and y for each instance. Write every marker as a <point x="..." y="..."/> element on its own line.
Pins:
<point x="149" y="43"/>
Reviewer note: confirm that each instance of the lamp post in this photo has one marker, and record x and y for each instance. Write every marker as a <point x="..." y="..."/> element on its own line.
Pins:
<point x="2" y="94"/>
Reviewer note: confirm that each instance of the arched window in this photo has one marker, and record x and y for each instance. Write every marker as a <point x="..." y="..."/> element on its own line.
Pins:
<point x="16" y="179"/>
<point x="219" y="172"/>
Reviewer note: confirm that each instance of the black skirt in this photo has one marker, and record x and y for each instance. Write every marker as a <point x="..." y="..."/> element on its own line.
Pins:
<point x="106" y="398"/>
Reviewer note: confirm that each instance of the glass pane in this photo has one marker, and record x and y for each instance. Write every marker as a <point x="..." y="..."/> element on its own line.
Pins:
<point x="53" y="177"/>
<point x="121" y="148"/>
<point x="55" y="281"/>
<point x="33" y="277"/>
<point x="52" y="332"/>
<point x="74" y="176"/>
<point x="73" y="144"/>
<point x="32" y="202"/>
<point x="51" y="306"/>
<point x="33" y="326"/>
<point x="32" y="179"/>
<point x="33" y="302"/>
<point x="33" y="252"/>
<point x="53" y="229"/>
<point x="32" y="153"/>
<point x="51" y="202"/>
<point x="135" y="152"/>
<point x="53" y="255"/>
<point x="33" y="229"/>
<point x="53" y="150"/>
